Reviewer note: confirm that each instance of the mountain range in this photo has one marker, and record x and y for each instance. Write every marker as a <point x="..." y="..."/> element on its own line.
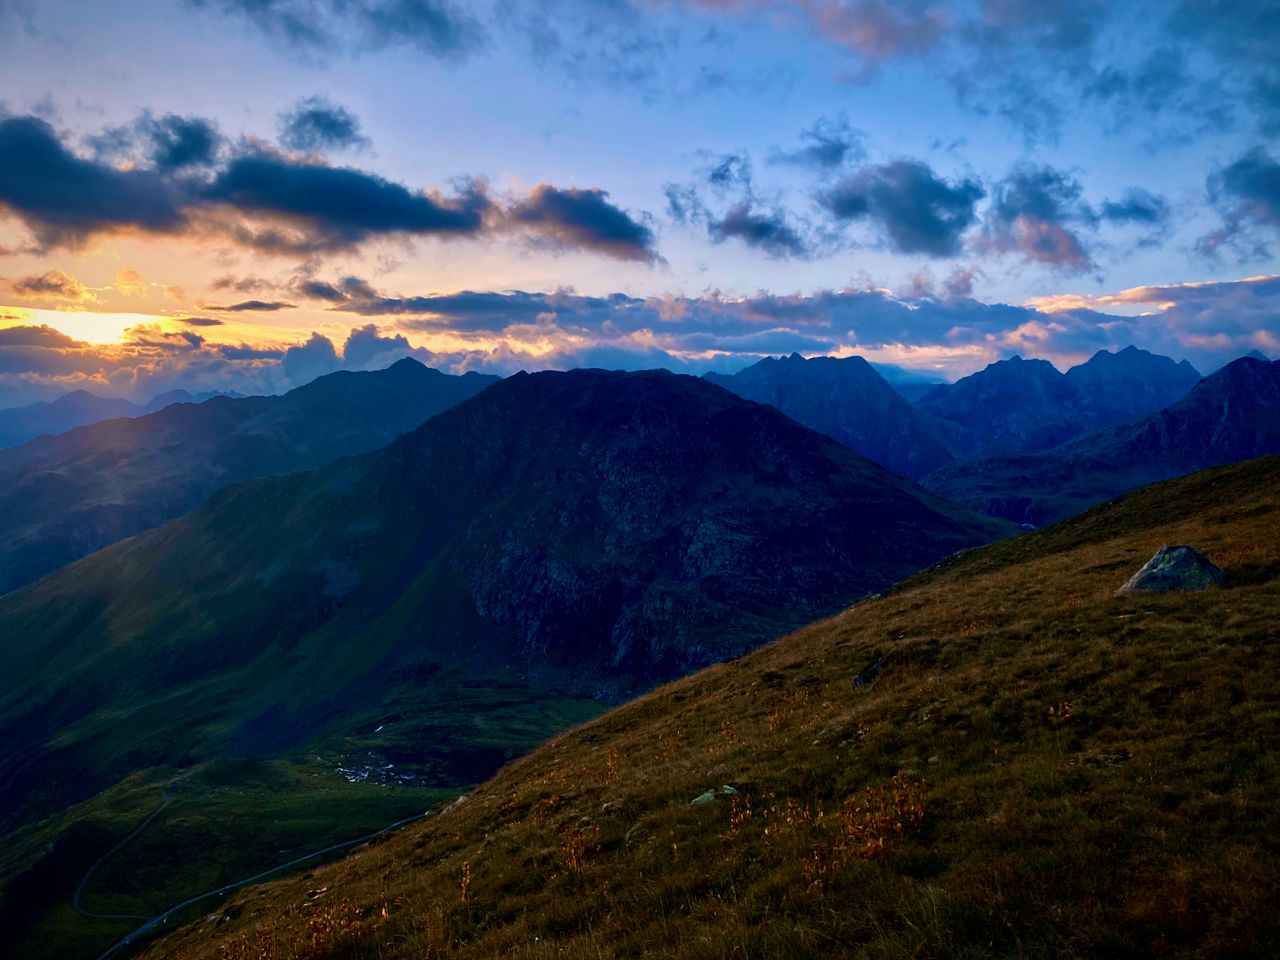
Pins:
<point x="78" y="408"/>
<point x="1035" y="767"/>
<point x="847" y="399"/>
<point x="63" y="497"/>
<point x="589" y="532"/>
<point x="1025" y="406"/>
<point x="1230" y="416"/>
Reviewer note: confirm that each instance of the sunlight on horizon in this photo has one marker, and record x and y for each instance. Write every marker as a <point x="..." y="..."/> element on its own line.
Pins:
<point x="95" y="328"/>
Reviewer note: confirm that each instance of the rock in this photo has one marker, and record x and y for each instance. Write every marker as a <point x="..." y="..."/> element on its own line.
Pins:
<point x="728" y="791"/>
<point x="1175" y="568"/>
<point x="702" y="798"/>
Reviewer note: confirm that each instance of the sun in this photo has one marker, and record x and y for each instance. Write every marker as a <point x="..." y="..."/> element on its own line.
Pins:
<point x="96" y="328"/>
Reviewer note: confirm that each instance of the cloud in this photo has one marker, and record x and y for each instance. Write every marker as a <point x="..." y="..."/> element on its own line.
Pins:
<point x="255" y="306"/>
<point x="828" y="145"/>
<point x="366" y="349"/>
<point x="337" y="207"/>
<point x="315" y="125"/>
<point x="918" y="211"/>
<point x="768" y="231"/>
<point x="285" y="204"/>
<point x="64" y="199"/>
<point x="181" y="142"/>
<point x="1207" y="323"/>
<point x="1137" y="206"/>
<point x="1036" y="213"/>
<point x="434" y="28"/>
<point x="1247" y="192"/>
<point x="309" y="360"/>
<point x="583" y="219"/>
<point x="200" y="321"/>
<point x="129" y="282"/>
<point x="30" y="336"/>
<point x="51" y="285"/>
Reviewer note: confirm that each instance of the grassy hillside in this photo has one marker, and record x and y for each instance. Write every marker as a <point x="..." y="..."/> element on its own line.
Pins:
<point x="1041" y="769"/>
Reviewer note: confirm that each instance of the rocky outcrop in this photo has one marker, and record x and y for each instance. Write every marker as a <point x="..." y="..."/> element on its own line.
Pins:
<point x="1175" y="568"/>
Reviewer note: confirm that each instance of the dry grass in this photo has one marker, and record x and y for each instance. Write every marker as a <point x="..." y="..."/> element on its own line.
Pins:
<point x="1042" y="769"/>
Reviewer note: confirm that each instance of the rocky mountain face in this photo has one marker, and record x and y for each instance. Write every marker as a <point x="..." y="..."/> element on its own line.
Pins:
<point x="1230" y="416"/>
<point x="847" y="399"/>
<point x="588" y="531"/>
<point x="63" y="497"/>
<point x="1019" y="406"/>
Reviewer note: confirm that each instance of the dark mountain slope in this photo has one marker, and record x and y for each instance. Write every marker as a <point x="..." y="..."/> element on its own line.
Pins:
<point x="66" y="496"/>
<point x="1041" y="769"/>
<point x="1021" y="406"/>
<point x="1230" y="416"/>
<point x="848" y="400"/>
<point x="586" y="531"/>
<point x="1011" y="406"/>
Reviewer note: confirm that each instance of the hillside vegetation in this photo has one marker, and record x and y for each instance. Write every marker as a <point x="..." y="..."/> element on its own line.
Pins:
<point x="1041" y="768"/>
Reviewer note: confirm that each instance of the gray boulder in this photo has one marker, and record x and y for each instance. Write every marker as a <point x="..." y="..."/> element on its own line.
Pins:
<point x="1175" y="568"/>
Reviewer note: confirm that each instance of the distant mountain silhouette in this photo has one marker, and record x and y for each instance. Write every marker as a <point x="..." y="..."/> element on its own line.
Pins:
<point x="1230" y="416"/>
<point x="20" y="424"/>
<point x="79" y="408"/>
<point x="66" y="496"/>
<point x="1025" y="406"/>
<point x="847" y="399"/>
<point x="1124" y="386"/>
<point x="588" y="531"/>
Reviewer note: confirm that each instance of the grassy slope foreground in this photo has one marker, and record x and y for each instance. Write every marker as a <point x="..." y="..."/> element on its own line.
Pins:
<point x="1041" y="769"/>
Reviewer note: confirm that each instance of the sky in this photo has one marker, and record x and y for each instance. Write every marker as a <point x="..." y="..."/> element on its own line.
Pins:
<point x="244" y="194"/>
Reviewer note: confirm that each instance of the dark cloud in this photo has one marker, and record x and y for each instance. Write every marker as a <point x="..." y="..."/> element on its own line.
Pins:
<point x="316" y="125"/>
<point x="1036" y="213"/>
<point x="828" y="145"/>
<point x="768" y="231"/>
<point x="1247" y="191"/>
<point x="320" y="290"/>
<point x="254" y="306"/>
<point x="64" y="199"/>
<point x="573" y="218"/>
<point x="730" y="170"/>
<point x="435" y="28"/>
<point x="30" y="336"/>
<point x="241" y="284"/>
<point x="1137" y="206"/>
<point x="177" y="143"/>
<point x="200" y="321"/>
<point x="51" y="285"/>
<point x="279" y="203"/>
<point x="918" y="211"/>
<point x="338" y="206"/>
